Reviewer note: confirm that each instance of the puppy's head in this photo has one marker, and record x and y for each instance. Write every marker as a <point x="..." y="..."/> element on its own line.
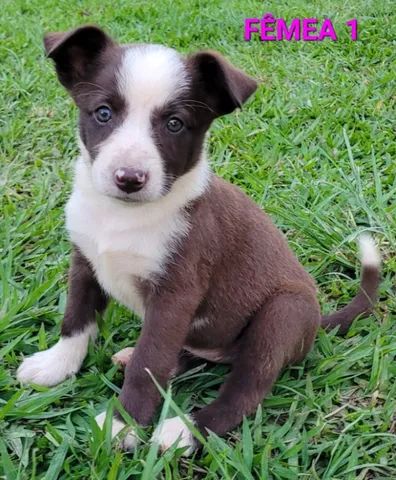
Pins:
<point x="144" y="109"/>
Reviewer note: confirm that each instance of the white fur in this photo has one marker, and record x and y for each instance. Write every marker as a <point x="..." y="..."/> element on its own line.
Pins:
<point x="54" y="365"/>
<point x="127" y="240"/>
<point x="211" y="354"/>
<point x="149" y="76"/>
<point x="129" y="442"/>
<point x="369" y="253"/>
<point x="174" y="430"/>
<point x="200" y="322"/>
<point x="123" y="356"/>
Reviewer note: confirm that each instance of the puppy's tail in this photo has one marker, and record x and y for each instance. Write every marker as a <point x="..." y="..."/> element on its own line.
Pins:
<point x="364" y="301"/>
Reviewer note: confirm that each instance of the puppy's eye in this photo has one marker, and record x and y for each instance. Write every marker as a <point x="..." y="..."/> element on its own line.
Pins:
<point x="103" y="114"/>
<point x="174" y="125"/>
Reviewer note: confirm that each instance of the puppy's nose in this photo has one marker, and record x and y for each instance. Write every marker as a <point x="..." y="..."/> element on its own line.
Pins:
<point x="130" y="179"/>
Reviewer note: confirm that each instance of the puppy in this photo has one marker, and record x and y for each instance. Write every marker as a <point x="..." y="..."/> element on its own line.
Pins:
<point x="155" y="229"/>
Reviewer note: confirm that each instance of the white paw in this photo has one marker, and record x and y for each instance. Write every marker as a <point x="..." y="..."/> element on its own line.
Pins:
<point x="122" y="357"/>
<point x="174" y="430"/>
<point x="54" y="365"/>
<point x="127" y="443"/>
<point x="48" y="368"/>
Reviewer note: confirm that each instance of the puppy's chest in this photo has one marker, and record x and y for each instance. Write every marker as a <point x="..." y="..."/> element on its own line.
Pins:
<point x="123" y="247"/>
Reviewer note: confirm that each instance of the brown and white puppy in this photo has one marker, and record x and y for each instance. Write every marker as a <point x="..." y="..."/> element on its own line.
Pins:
<point x="153" y="228"/>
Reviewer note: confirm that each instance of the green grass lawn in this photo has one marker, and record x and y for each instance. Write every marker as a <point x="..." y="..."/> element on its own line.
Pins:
<point x="315" y="148"/>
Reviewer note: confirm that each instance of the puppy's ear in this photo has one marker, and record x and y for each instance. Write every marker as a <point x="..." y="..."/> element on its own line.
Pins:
<point x="222" y="86"/>
<point x="76" y="53"/>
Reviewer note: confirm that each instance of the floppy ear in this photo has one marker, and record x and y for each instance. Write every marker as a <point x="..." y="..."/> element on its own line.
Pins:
<point x="76" y="53"/>
<point x="223" y="86"/>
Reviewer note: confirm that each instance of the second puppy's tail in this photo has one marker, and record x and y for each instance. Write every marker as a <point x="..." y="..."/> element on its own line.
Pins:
<point x="364" y="301"/>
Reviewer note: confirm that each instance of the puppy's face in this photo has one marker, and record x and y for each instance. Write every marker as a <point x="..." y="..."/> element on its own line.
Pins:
<point x="144" y="109"/>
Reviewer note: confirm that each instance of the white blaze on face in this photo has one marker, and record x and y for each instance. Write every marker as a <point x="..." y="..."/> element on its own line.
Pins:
<point x="148" y="78"/>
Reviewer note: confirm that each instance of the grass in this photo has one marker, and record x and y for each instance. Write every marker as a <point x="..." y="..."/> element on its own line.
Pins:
<point x="315" y="148"/>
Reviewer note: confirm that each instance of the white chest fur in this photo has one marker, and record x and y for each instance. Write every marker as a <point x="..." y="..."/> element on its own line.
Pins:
<point x="121" y="245"/>
<point x="124" y="242"/>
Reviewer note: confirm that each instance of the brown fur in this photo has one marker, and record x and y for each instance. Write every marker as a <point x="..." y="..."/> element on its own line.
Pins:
<point x="236" y="270"/>
<point x="85" y="296"/>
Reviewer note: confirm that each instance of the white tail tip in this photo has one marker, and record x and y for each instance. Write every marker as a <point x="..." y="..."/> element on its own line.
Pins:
<point x="369" y="253"/>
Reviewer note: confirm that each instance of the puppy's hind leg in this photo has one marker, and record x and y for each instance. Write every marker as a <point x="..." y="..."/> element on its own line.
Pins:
<point x="282" y="332"/>
<point x="123" y="356"/>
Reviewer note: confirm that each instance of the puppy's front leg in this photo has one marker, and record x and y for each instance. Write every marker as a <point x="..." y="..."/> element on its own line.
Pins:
<point x="165" y="329"/>
<point x="164" y="332"/>
<point x="85" y="298"/>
